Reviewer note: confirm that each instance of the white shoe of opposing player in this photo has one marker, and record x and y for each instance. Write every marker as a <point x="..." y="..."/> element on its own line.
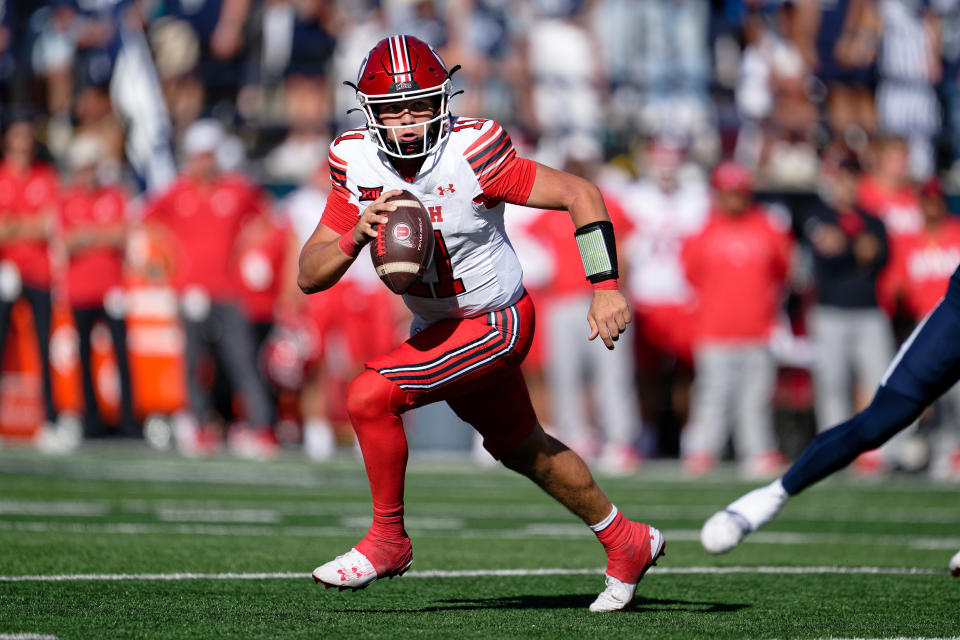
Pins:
<point x="353" y="571"/>
<point x="726" y="529"/>
<point x="955" y="565"/>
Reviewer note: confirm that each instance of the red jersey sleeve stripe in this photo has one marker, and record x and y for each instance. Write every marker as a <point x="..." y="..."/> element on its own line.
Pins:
<point x="335" y="159"/>
<point x="483" y="140"/>
<point x="503" y="152"/>
<point x="339" y="214"/>
<point x="338" y="176"/>
<point x="338" y="169"/>
<point x="487" y="149"/>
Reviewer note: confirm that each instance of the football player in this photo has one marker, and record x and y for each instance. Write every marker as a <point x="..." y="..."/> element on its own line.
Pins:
<point x="926" y="366"/>
<point x="473" y="321"/>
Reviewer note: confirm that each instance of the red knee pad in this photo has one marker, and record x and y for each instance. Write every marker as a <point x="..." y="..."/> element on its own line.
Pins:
<point x="370" y="395"/>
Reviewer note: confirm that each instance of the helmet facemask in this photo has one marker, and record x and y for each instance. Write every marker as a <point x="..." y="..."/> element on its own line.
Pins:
<point x="435" y="130"/>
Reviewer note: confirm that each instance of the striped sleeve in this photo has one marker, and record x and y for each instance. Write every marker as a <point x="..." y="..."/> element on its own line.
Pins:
<point x="338" y="169"/>
<point x="339" y="213"/>
<point x="489" y="153"/>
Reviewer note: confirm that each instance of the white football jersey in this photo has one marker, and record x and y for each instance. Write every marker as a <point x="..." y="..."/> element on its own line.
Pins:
<point x="474" y="268"/>
<point x="662" y="223"/>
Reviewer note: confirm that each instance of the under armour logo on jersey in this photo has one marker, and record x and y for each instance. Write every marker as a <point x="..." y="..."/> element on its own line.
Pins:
<point x="443" y="191"/>
<point x="370" y="193"/>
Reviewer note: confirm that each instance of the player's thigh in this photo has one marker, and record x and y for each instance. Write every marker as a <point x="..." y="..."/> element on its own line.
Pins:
<point x="458" y="356"/>
<point x="501" y="412"/>
<point x="928" y="362"/>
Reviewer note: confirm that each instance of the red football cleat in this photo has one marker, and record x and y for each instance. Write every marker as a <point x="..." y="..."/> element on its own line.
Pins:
<point x="626" y="565"/>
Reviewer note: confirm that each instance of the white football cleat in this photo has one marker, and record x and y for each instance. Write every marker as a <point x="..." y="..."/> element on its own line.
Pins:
<point x="618" y="594"/>
<point x="726" y="529"/>
<point x="615" y="597"/>
<point x="955" y="565"/>
<point x="352" y="571"/>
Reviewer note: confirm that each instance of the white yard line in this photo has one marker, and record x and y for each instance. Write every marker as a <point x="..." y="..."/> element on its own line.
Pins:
<point x="53" y="508"/>
<point x="274" y="511"/>
<point x="483" y="573"/>
<point x="437" y="530"/>
<point x="27" y="636"/>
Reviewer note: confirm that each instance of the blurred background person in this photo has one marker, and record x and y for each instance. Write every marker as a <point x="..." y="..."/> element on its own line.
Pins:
<point x="777" y="115"/>
<point x="657" y="57"/>
<point x="886" y="189"/>
<point x="738" y="266"/>
<point x="664" y="208"/>
<point x="582" y="375"/>
<point x="29" y="189"/>
<point x="201" y="215"/>
<point x="298" y="47"/>
<point x="565" y="85"/>
<point x="847" y="41"/>
<point x="337" y="330"/>
<point x="852" y="335"/>
<point x="908" y="67"/>
<point x="93" y="231"/>
<point x="921" y="272"/>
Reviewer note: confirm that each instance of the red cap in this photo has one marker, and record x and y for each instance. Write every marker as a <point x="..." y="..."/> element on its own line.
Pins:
<point x="731" y="176"/>
<point x="932" y="188"/>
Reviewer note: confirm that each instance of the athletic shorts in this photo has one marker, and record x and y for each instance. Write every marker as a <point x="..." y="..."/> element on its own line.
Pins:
<point x="928" y="363"/>
<point x="474" y="365"/>
<point x="354" y="320"/>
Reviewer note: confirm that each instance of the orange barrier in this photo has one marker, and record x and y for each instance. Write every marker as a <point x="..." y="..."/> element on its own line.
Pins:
<point x="155" y="347"/>
<point x="21" y="384"/>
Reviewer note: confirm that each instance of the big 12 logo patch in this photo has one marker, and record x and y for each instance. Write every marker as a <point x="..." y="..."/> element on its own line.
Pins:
<point x="370" y="193"/>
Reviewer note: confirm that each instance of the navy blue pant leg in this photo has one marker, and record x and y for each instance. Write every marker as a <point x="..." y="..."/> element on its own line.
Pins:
<point x="926" y="366"/>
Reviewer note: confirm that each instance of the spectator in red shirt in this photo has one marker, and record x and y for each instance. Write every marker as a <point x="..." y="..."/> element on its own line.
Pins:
<point x="201" y="216"/>
<point x="28" y="201"/>
<point x="920" y="274"/>
<point x="737" y="265"/>
<point x="928" y="258"/>
<point x="93" y="225"/>
<point x="887" y="192"/>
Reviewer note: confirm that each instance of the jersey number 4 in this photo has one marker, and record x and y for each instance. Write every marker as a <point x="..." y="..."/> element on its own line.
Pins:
<point x="446" y="285"/>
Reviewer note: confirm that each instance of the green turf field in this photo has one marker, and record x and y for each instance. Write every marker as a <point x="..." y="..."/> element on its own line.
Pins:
<point x="116" y="543"/>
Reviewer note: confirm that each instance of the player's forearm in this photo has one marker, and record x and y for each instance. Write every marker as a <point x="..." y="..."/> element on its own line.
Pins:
<point x="587" y="206"/>
<point x="557" y="190"/>
<point x="321" y="266"/>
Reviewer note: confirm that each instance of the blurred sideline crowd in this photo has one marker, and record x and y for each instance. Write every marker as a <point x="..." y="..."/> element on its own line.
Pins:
<point x="777" y="172"/>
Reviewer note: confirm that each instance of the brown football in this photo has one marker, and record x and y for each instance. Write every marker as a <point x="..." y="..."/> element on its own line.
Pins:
<point x="404" y="244"/>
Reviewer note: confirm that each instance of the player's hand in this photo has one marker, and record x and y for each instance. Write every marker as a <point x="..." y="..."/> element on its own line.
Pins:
<point x="366" y="228"/>
<point x="829" y="240"/>
<point x="609" y="316"/>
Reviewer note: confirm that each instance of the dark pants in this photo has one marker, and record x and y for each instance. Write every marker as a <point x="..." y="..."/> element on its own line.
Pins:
<point x="227" y="330"/>
<point x="42" y="308"/>
<point x="926" y="366"/>
<point x="92" y="423"/>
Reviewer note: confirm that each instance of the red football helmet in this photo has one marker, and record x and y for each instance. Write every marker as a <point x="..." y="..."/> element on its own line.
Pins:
<point x="397" y="69"/>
